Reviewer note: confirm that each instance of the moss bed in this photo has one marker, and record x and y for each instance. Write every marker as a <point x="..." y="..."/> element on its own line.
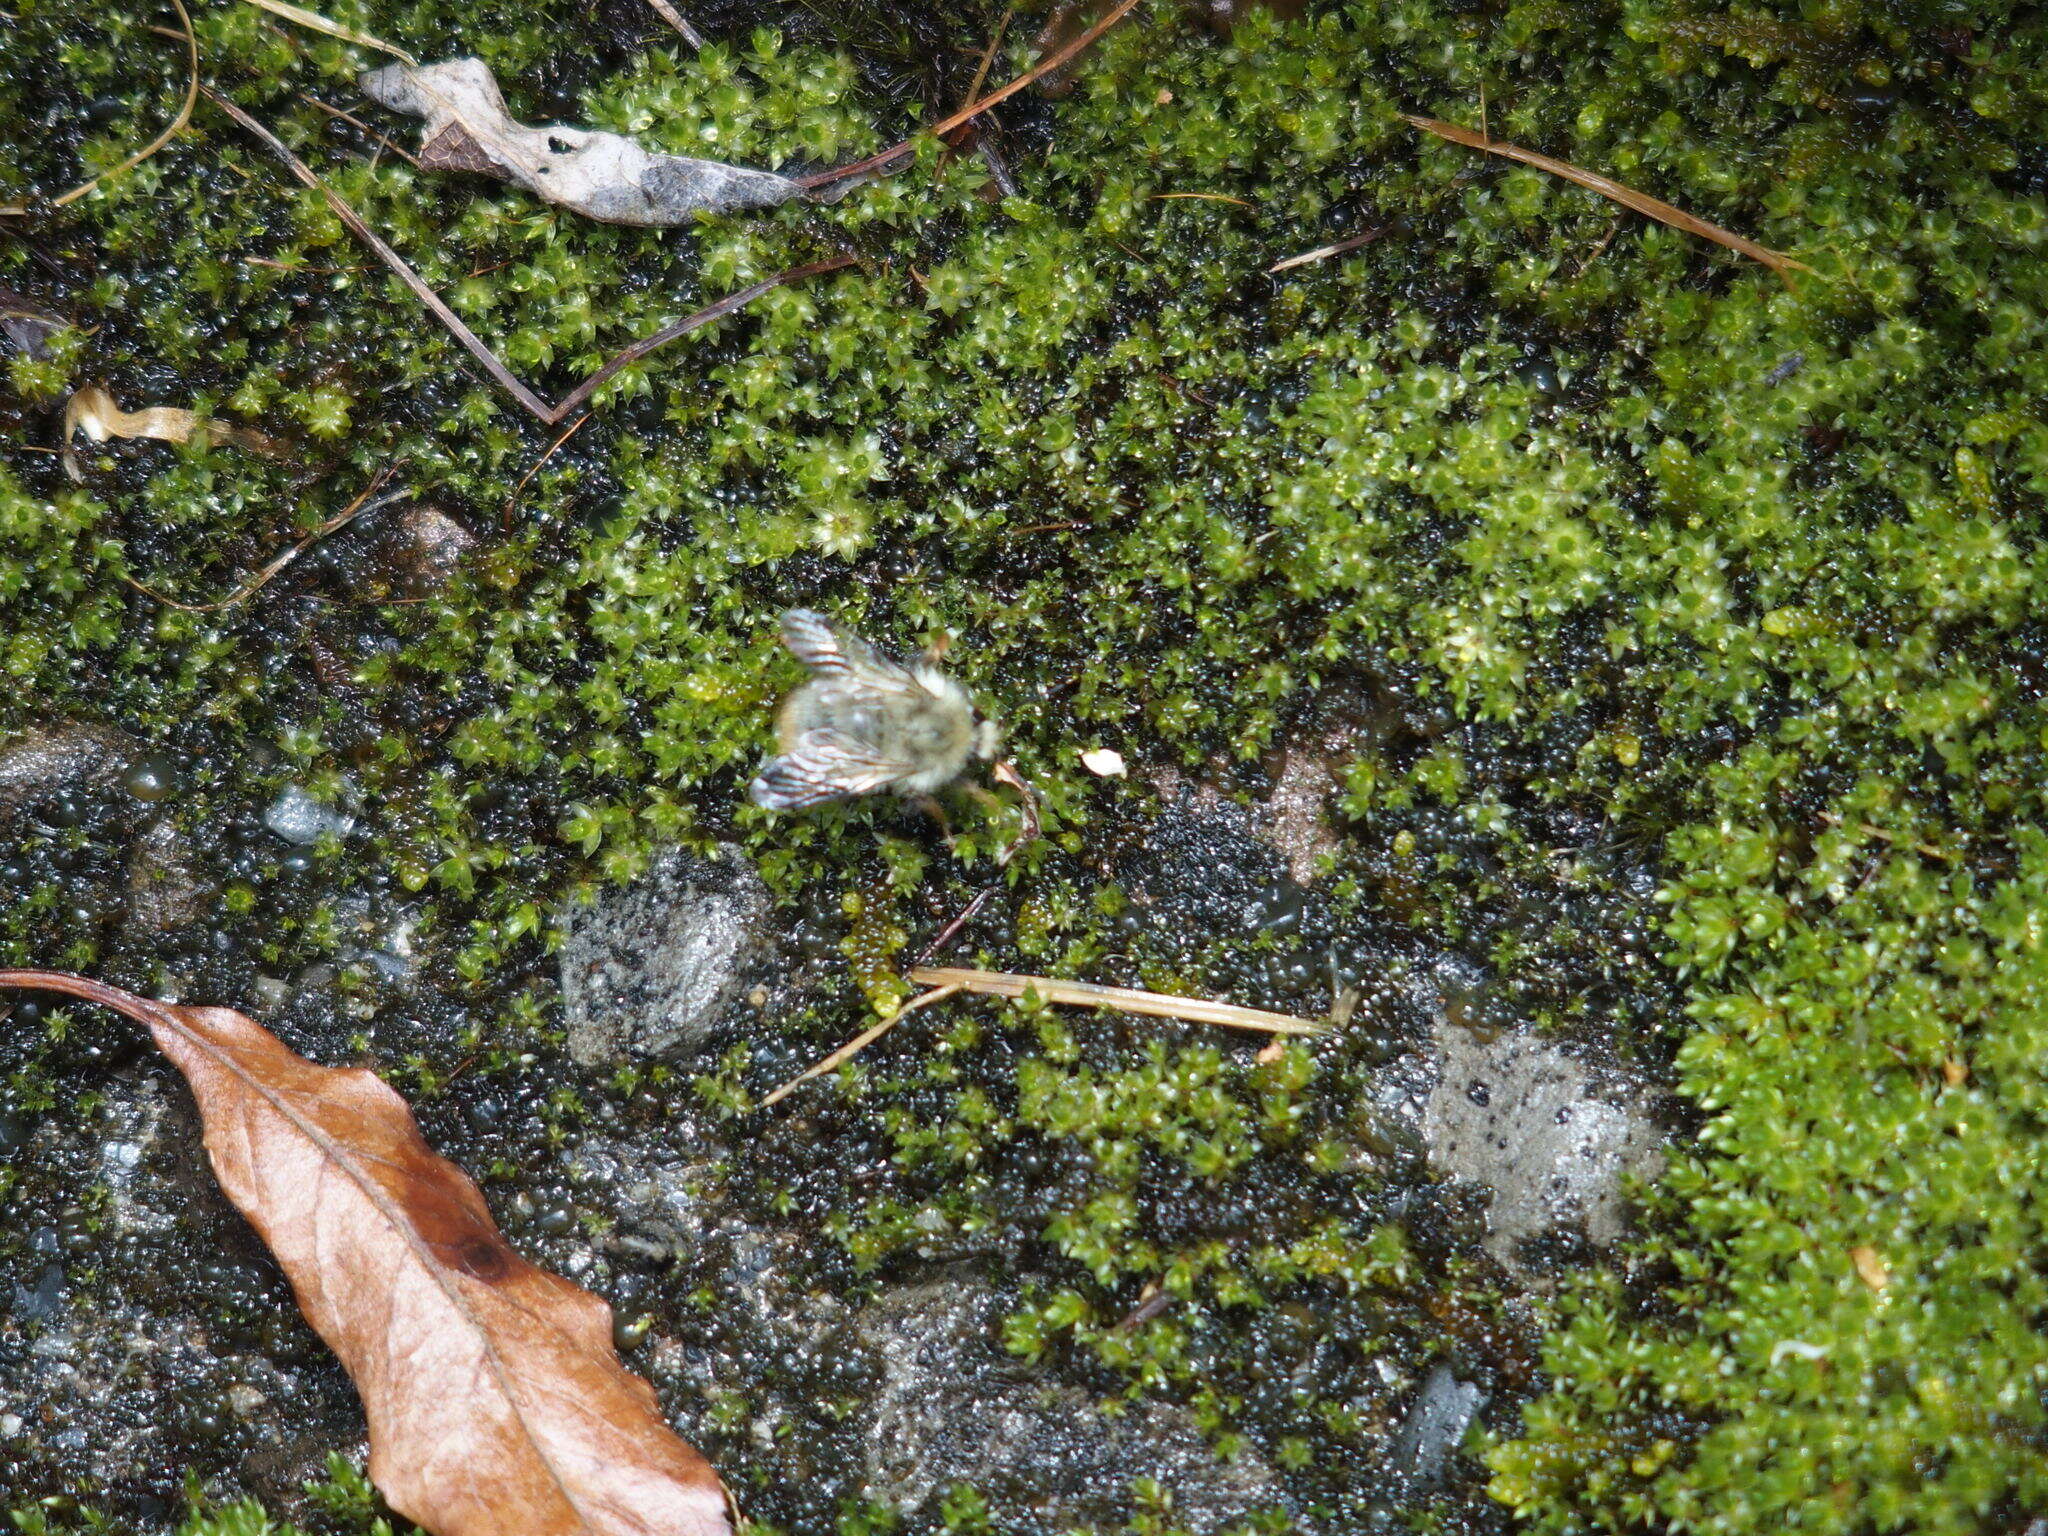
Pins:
<point x="1642" y="558"/>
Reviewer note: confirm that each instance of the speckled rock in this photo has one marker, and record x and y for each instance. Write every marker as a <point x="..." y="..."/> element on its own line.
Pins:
<point x="649" y="970"/>
<point x="1550" y="1135"/>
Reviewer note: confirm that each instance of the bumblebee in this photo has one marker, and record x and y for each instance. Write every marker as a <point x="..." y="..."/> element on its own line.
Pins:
<point x="864" y="722"/>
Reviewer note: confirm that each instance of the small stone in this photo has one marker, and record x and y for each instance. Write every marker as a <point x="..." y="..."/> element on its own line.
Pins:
<point x="652" y="968"/>
<point x="1443" y="1410"/>
<point x="298" y="818"/>
<point x="151" y="779"/>
<point x="267" y="994"/>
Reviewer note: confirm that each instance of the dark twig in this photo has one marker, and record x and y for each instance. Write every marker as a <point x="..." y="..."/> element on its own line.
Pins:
<point x="973" y="110"/>
<point x="683" y="327"/>
<point x="356" y="122"/>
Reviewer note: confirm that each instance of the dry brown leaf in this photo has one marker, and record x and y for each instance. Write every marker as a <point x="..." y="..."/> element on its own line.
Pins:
<point x="496" y="1402"/>
<point x="1651" y="207"/>
<point x="604" y="176"/>
<point x="95" y="413"/>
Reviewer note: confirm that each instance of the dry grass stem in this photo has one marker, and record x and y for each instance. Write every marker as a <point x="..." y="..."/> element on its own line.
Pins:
<point x="1086" y="994"/>
<point x="551" y="415"/>
<point x="861" y="1041"/>
<point x="318" y="23"/>
<point x="177" y="124"/>
<point x="1203" y="197"/>
<point x="674" y="18"/>
<point x="397" y="263"/>
<point x="1650" y="207"/>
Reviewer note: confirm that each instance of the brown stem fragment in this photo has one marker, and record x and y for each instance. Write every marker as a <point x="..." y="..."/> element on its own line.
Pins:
<point x="1650" y="207"/>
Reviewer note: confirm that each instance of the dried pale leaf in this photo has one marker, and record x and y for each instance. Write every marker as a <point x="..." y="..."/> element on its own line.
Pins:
<point x="497" y="1404"/>
<point x="1651" y="207"/>
<point x="319" y="23"/>
<point x="95" y="414"/>
<point x="1104" y="763"/>
<point x="603" y="176"/>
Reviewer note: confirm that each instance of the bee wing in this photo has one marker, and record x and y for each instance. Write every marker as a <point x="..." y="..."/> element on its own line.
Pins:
<point x="823" y="766"/>
<point x="842" y="656"/>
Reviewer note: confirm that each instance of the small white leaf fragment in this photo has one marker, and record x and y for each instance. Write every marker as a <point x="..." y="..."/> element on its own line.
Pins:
<point x="603" y="176"/>
<point x="1104" y="763"/>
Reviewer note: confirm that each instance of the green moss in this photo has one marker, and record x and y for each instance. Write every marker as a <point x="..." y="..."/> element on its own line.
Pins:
<point x="1744" y="569"/>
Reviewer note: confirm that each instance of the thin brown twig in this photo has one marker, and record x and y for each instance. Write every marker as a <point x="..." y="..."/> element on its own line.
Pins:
<point x="945" y="126"/>
<point x="1086" y="994"/>
<point x="860" y="1042"/>
<point x="988" y="58"/>
<point x="1203" y="197"/>
<point x="177" y="124"/>
<point x="1651" y="207"/>
<point x="549" y="415"/>
<point x="354" y="121"/>
<point x="261" y="579"/>
<point x="1324" y="252"/>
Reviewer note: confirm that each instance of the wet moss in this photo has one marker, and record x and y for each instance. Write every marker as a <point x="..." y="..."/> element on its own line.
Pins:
<point x="1641" y="574"/>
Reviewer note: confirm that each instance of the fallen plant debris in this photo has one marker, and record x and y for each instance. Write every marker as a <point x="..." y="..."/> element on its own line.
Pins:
<point x="1650" y="207"/>
<point x="550" y="415"/>
<point x="94" y="412"/>
<point x="603" y="176"/>
<point x="1324" y="252"/>
<point x="176" y="126"/>
<point x="1086" y="994"/>
<point x="497" y="1404"/>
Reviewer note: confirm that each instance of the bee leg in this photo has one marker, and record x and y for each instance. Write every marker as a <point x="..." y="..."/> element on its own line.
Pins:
<point x="937" y="812"/>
